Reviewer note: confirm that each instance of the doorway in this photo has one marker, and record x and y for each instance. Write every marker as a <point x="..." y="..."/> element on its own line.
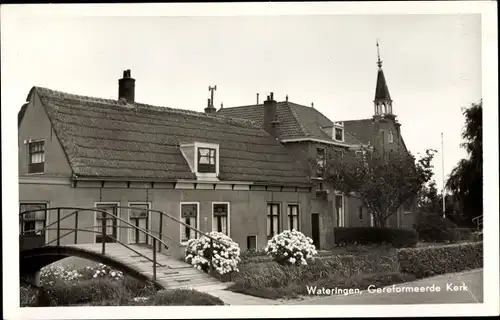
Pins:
<point x="315" y="229"/>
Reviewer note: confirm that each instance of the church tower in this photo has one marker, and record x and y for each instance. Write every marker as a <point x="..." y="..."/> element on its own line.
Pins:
<point x="383" y="101"/>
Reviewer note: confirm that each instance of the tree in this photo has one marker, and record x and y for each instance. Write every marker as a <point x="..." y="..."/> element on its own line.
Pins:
<point x="428" y="198"/>
<point x="384" y="181"/>
<point x="466" y="179"/>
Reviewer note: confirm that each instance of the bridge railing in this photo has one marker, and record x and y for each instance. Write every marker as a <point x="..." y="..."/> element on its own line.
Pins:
<point x="156" y="241"/>
<point x="181" y="223"/>
<point x="478" y="221"/>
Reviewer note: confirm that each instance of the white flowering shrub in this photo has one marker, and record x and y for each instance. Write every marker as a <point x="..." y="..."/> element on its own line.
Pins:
<point x="104" y="271"/>
<point x="291" y="247"/>
<point x="225" y="258"/>
<point x="54" y="273"/>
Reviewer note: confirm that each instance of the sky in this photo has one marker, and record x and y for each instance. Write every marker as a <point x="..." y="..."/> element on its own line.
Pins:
<point x="432" y="64"/>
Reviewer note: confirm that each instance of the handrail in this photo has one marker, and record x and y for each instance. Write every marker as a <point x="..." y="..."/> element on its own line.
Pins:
<point x="102" y="232"/>
<point x="477" y="218"/>
<point x="94" y="210"/>
<point x="118" y="241"/>
<point x="173" y="218"/>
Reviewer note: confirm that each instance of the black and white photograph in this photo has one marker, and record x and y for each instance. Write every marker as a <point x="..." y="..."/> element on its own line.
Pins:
<point x="266" y="159"/>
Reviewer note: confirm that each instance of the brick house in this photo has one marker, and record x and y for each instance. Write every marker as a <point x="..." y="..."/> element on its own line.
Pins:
<point x="307" y="133"/>
<point x="212" y="172"/>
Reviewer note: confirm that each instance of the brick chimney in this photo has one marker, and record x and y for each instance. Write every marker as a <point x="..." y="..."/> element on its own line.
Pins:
<point x="126" y="87"/>
<point x="270" y="118"/>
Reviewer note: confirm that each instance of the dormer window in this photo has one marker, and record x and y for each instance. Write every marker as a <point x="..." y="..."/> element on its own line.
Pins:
<point x="391" y="137"/>
<point x="202" y="158"/>
<point x="338" y="131"/>
<point x="207" y="160"/>
<point x="36" y="153"/>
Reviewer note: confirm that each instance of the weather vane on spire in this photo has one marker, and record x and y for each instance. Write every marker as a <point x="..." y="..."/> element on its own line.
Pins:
<point x="379" y="62"/>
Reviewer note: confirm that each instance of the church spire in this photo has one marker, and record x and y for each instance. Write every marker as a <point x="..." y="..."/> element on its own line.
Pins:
<point x="383" y="101"/>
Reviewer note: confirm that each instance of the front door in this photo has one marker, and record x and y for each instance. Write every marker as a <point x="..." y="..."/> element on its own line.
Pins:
<point x="111" y="231"/>
<point x="139" y="217"/>
<point x="315" y="229"/>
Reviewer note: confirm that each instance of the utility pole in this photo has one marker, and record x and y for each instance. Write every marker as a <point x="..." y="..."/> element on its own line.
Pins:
<point x="442" y="168"/>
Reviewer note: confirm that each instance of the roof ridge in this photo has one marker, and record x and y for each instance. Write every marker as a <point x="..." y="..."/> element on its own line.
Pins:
<point x="118" y="103"/>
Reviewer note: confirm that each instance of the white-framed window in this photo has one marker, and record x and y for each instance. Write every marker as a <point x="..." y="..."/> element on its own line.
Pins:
<point x="293" y="216"/>
<point x="112" y="232"/>
<point x="339" y="210"/>
<point x="33" y="223"/>
<point x="220" y="217"/>
<point x="273" y="219"/>
<point x="207" y="160"/>
<point x="140" y="218"/>
<point x="338" y="131"/>
<point x="190" y="215"/>
<point x="391" y="136"/>
<point x="36" y="156"/>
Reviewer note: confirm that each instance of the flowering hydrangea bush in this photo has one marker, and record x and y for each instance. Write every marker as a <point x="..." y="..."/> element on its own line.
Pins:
<point x="291" y="247"/>
<point x="225" y="258"/>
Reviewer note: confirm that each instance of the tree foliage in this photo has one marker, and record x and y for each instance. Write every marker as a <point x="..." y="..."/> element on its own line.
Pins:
<point x="466" y="179"/>
<point x="384" y="181"/>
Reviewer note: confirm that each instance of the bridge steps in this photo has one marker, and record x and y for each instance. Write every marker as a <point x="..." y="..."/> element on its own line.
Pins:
<point x="173" y="274"/>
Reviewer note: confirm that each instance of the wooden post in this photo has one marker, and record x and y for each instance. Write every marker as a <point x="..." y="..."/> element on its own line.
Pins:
<point x="104" y="214"/>
<point x="154" y="259"/>
<point x="211" y="255"/>
<point x="76" y="227"/>
<point x="161" y="230"/>
<point x="58" y="226"/>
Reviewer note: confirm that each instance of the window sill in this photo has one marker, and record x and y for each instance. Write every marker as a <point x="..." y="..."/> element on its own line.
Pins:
<point x="35" y="173"/>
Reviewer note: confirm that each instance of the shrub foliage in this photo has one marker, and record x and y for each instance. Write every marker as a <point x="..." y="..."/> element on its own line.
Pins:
<point x="429" y="261"/>
<point x="368" y="235"/>
<point x="224" y="256"/>
<point x="291" y="247"/>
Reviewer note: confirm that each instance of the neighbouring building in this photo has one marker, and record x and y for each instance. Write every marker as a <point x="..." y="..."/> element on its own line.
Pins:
<point x="308" y="134"/>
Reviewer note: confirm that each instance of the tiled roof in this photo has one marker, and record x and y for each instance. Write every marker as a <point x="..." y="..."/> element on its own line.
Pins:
<point x="295" y="121"/>
<point x="362" y="129"/>
<point x="110" y="138"/>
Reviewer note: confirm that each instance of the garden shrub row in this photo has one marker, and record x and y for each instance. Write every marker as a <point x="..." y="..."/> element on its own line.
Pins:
<point x="93" y="290"/>
<point x="273" y="276"/>
<point x="369" y="235"/>
<point x="429" y="261"/>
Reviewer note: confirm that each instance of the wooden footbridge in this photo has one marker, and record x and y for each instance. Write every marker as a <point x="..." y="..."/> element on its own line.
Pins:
<point x="149" y="261"/>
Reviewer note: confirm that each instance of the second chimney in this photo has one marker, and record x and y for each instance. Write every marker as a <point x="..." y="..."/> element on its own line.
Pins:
<point x="270" y="116"/>
<point x="126" y="87"/>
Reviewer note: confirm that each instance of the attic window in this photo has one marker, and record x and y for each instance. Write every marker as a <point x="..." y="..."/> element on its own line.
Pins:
<point x="206" y="160"/>
<point x="338" y="131"/>
<point x="391" y="136"/>
<point x="36" y="150"/>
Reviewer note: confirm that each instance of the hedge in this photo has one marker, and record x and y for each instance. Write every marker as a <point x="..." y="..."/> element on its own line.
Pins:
<point x="433" y="227"/>
<point x="429" y="261"/>
<point x="369" y="235"/>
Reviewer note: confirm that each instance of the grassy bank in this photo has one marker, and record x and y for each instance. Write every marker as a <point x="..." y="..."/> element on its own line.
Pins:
<point x="60" y="290"/>
<point x="354" y="267"/>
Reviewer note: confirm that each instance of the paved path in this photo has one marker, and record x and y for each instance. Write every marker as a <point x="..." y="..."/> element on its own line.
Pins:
<point x="469" y="286"/>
